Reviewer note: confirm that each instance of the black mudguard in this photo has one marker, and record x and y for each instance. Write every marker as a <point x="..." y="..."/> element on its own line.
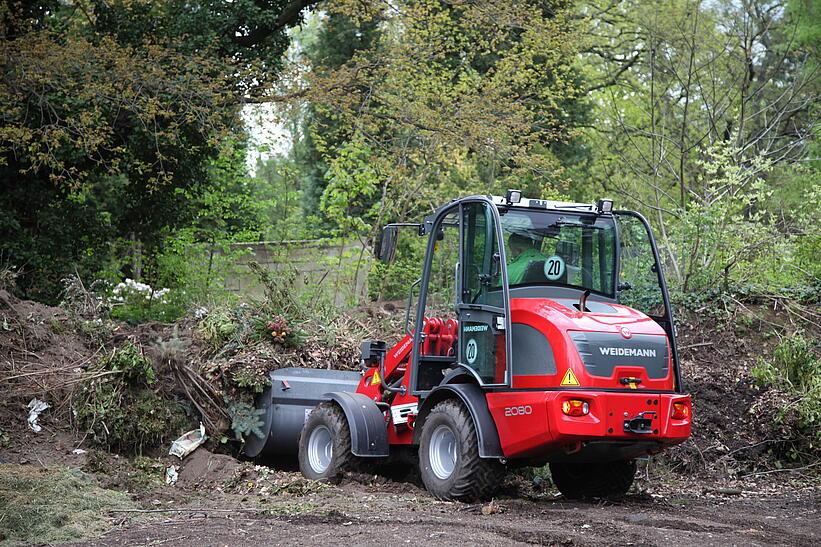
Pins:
<point x="474" y="400"/>
<point x="369" y="432"/>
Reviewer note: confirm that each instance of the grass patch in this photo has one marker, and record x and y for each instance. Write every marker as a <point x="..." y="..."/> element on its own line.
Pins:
<point x="54" y="505"/>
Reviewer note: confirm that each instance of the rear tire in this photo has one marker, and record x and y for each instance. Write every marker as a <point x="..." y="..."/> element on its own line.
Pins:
<point x="449" y="461"/>
<point x="609" y="480"/>
<point x="325" y="444"/>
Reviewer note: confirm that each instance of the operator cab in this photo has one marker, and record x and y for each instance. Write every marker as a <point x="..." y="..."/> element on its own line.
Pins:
<point x="554" y="254"/>
<point x="494" y="263"/>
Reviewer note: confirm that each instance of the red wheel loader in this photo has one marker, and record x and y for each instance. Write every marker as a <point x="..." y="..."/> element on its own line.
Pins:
<point x="542" y="333"/>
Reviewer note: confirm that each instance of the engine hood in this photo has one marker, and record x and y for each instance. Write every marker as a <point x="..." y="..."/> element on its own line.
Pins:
<point x="601" y="346"/>
<point x="602" y="317"/>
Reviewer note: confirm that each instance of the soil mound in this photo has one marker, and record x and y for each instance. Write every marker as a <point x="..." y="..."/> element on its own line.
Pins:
<point x="204" y="469"/>
<point x="41" y="355"/>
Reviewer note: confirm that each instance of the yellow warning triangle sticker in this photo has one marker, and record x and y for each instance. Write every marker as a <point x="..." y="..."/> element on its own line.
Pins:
<point x="376" y="379"/>
<point x="569" y="379"/>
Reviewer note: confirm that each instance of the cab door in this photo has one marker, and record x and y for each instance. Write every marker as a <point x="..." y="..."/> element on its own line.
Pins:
<point x="483" y="302"/>
<point x="641" y="283"/>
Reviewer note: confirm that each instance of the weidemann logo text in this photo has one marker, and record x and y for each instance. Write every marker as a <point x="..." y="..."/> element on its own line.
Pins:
<point x="628" y="352"/>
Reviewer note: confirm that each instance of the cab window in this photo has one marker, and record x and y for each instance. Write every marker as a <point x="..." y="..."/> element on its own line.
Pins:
<point x="549" y="248"/>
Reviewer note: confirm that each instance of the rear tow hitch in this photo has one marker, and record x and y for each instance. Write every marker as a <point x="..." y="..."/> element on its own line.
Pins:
<point x="640" y="424"/>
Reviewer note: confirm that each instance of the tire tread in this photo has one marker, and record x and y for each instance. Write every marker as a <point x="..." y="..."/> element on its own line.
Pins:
<point x="478" y="478"/>
<point x="332" y="416"/>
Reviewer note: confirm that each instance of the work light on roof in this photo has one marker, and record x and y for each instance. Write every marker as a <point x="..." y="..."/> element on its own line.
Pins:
<point x="513" y="196"/>
<point x="605" y="206"/>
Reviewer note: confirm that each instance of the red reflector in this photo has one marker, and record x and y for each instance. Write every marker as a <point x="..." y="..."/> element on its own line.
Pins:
<point x="575" y="407"/>
<point x="681" y="411"/>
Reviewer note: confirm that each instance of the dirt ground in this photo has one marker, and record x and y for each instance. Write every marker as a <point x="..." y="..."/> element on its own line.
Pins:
<point x="725" y="486"/>
<point x="219" y="500"/>
<point x="360" y="514"/>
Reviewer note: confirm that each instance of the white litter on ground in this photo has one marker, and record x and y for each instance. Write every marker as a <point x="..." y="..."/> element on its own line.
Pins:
<point x="188" y="442"/>
<point x="36" y="407"/>
<point x="171" y="475"/>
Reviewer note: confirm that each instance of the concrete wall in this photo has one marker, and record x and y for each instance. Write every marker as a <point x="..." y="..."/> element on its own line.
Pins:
<point x="326" y="264"/>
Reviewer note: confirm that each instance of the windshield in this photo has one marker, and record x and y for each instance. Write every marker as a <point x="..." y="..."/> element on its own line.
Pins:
<point x="560" y="248"/>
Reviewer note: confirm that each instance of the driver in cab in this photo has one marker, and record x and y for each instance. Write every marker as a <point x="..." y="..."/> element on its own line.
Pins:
<point x="523" y="252"/>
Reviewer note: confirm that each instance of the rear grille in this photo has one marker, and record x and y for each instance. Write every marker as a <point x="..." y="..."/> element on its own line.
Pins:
<point x="601" y="352"/>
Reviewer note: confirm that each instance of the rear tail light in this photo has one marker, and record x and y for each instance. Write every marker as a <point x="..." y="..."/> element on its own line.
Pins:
<point x="681" y="411"/>
<point x="575" y="407"/>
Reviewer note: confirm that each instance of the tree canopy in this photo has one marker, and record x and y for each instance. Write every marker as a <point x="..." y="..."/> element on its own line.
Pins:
<point x="122" y="145"/>
<point x="112" y="113"/>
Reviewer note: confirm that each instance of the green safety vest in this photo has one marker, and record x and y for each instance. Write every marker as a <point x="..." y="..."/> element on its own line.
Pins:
<point x="516" y="269"/>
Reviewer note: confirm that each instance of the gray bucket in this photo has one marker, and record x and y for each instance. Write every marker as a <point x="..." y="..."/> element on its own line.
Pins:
<point x="288" y="401"/>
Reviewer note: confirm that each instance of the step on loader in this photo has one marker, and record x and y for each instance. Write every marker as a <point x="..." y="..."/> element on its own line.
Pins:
<point x="541" y="333"/>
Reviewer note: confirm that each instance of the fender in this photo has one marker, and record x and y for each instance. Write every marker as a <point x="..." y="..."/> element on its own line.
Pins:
<point x="474" y="399"/>
<point x="369" y="434"/>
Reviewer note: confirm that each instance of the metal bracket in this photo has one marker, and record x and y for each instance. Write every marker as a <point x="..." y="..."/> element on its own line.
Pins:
<point x="639" y="424"/>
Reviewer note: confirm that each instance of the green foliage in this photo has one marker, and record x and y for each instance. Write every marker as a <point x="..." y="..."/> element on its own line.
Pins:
<point x="418" y="103"/>
<point x="245" y="419"/>
<point x="693" y="131"/>
<point x="724" y="236"/>
<point x="283" y="299"/>
<point x="251" y="380"/>
<point x="353" y="184"/>
<point x="117" y="118"/>
<point x="227" y="329"/>
<point x="279" y="181"/>
<point x="222" y="326"/>
<point x="135" y="368"/>
<point x="796" y="368"/>
<point x="118" y="409"/>
<point x="796" y="361"/>
<point x="136" y="303"/>
<point x="329" y="43"/>
<point x="393" y="281"/>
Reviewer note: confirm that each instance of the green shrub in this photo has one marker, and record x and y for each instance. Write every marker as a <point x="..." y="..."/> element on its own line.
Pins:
<point x="135" y="303"/>
<point x="393" y="281"/>
<point x="796" y="366"/>
<point x="795" y="360"/>
<point x="764" y="373"/>
<point x="118" y="409"/>
<point x="219" y="327"/>
<point x="225" y="329"/>
<point x="135" y="367"/>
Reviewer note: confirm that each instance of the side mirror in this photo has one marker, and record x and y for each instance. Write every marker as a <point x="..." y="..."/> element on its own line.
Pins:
<point x="387" y="244"/>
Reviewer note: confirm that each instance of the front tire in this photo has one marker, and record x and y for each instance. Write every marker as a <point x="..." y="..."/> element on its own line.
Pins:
<point x="609" y="480"/>
<point x="325" y="444"/>
<point x="449" y="461"/>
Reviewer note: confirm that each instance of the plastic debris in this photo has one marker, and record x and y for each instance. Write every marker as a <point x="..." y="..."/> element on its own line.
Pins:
<point x="36" y="407"/>
<point x="78" y="451"/>
<point x="171" y="475"/>
<point x="188" y="442"/>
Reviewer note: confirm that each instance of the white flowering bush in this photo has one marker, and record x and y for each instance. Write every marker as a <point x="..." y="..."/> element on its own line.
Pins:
<point x="136" y="302"/>
<point x="129" y="288"/>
